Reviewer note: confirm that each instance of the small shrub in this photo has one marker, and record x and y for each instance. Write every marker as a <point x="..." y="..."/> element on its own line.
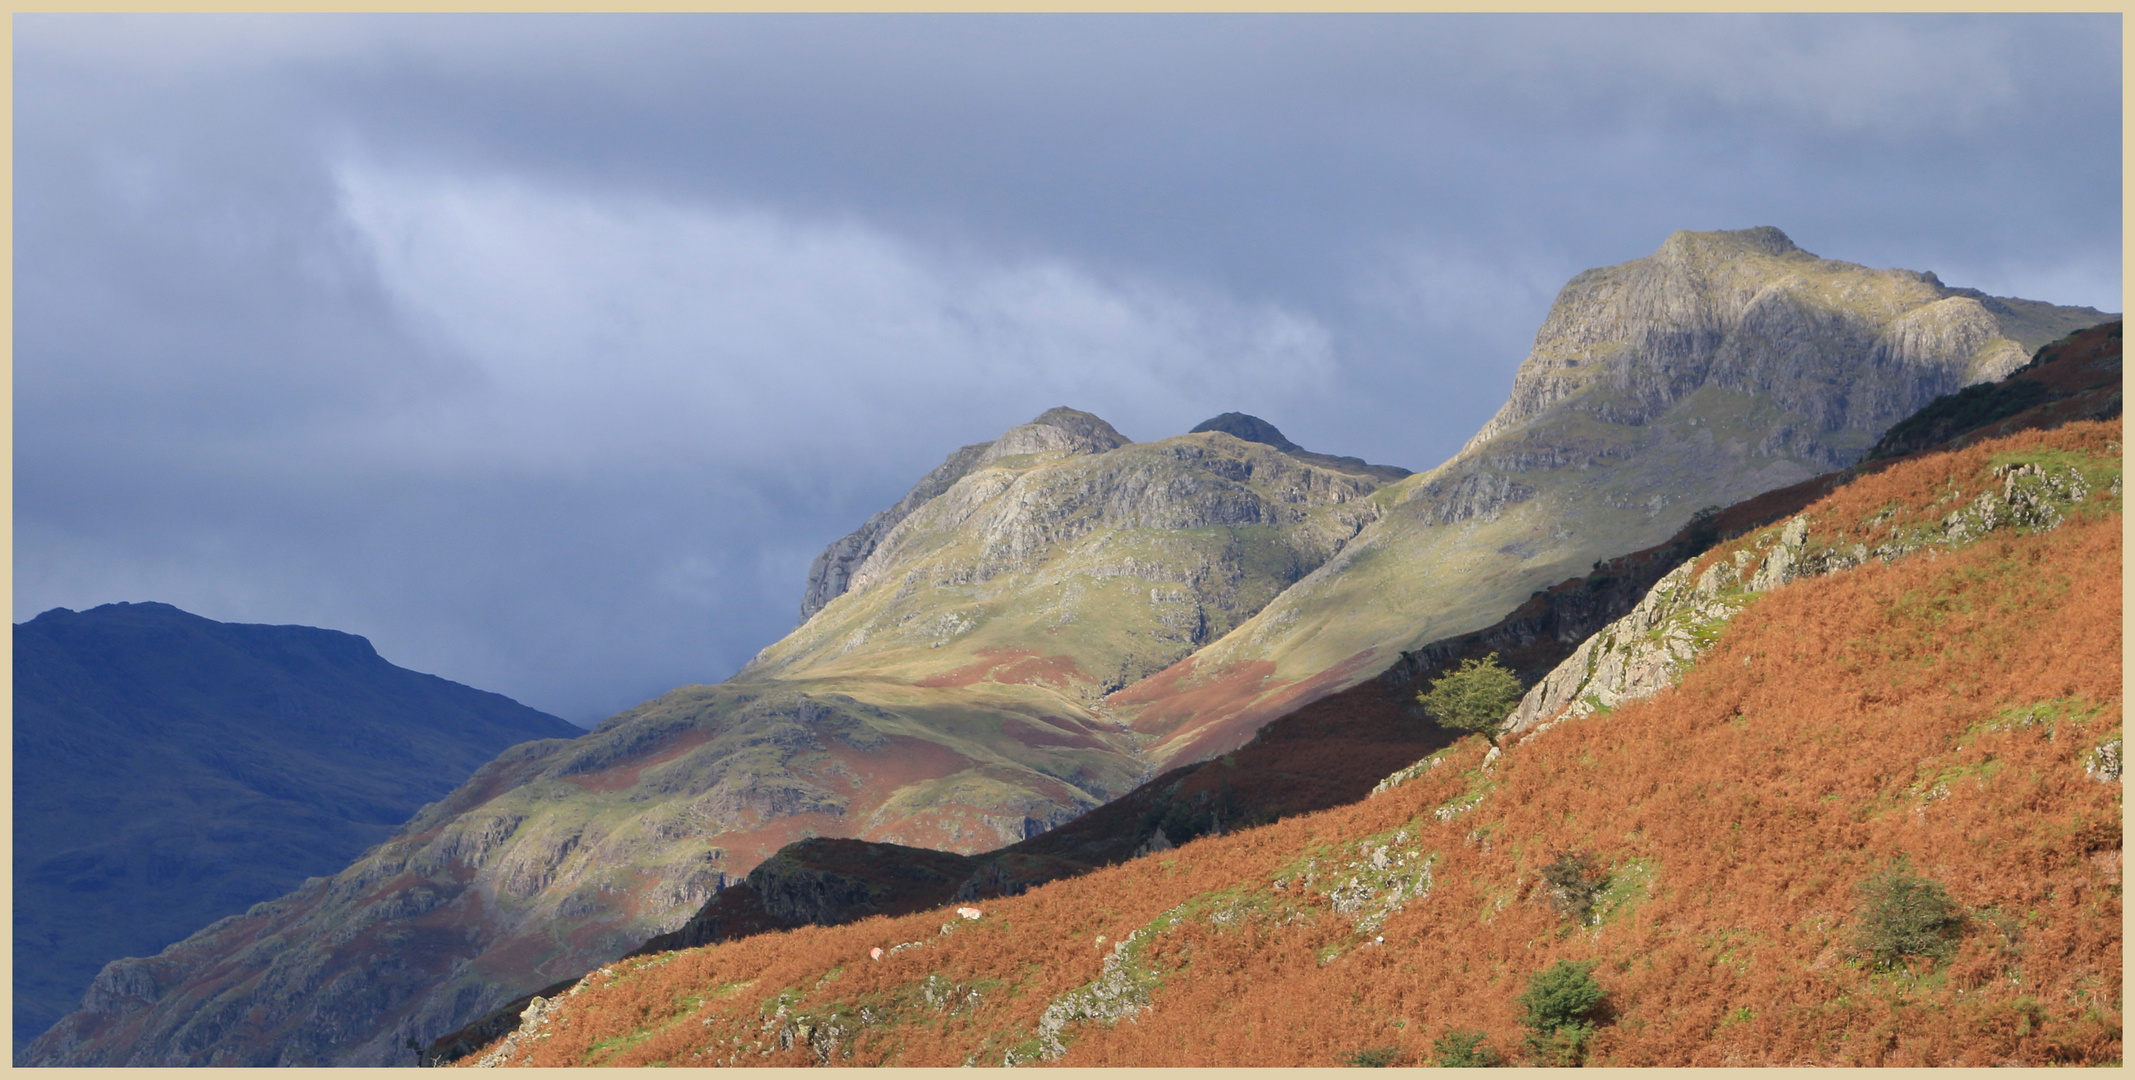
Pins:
<point x="1903" y="914"/>
<point x="1458" y="1049"/>
<point x="1478" y="697"/>
<point x="1378" y="1057"/>
<point x="1575" y="881"/>
<point x="1561" y="1001"/>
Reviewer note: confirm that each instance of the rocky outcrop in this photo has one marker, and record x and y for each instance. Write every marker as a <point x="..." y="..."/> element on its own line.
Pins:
<point x="1480" y="494"/>
<point x="1056" y="431"/>
<point x="2076" y="378"/>
<point x="1647" y="650"/>
<point x="1248" y="427"/>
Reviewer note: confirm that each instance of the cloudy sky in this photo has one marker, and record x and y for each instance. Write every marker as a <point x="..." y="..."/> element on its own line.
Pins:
<point x="547" y="351"/>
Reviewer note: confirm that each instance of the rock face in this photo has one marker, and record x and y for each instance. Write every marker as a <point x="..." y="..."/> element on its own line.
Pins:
<point x="1051" y="619"/>
<point x="831" y="573"/>
<point x="1838" y="345"/>
<point x="172" y="770"/>
<point x="1723" y="365"/>
<point x="1061" y="430"/>
<point x="2076" y="378"/>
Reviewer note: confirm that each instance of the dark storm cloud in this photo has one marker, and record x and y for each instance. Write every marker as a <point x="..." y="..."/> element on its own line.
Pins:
<point x="546" y="351"/>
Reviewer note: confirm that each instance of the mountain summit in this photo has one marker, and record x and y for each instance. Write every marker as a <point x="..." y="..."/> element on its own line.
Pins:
<point x="1247" y="427"/>
<point x="1254" y="429"/>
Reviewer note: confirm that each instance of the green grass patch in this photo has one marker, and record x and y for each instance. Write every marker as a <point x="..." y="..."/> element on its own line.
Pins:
<point x="1630" y="884"/>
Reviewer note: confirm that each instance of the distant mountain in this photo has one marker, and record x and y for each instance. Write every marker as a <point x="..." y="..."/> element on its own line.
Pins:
<point x="171" y="771"/>
<point x="1049" y="620"/>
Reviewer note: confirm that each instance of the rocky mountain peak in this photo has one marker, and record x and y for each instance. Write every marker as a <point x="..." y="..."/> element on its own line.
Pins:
<point x="1843" y="350"/>
<point x="1248" y="427"/>
<point x="1081" y="424"/>
<point x="1057" y="430"/>
<point x="1764" y="239"/>
<point x="1253" y="429"/>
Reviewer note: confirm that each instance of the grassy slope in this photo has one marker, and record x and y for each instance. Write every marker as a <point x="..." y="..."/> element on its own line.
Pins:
<point x="1943" y="708"/>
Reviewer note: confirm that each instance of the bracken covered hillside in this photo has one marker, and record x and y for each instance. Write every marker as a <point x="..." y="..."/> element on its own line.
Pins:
<point x="1949" y="719"/>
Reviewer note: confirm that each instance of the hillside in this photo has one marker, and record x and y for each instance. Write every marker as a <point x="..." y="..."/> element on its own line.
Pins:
<point x="1052" y="619"/>
<point x="171" y="770"/>
<point x="1927" y="704"/>
<point x="1333" y="751"/>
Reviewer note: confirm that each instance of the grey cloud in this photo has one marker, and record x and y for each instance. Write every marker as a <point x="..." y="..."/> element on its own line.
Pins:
<point x="547" y="350"/>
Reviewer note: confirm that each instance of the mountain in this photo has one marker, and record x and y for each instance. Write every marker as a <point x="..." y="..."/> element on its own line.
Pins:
<point x="1722" y="365"/>
<point x="1868" y="814"/>
<point x="171" y="771"/>
<point x="1052" y="619"/>
<point x="1334" y="750"/>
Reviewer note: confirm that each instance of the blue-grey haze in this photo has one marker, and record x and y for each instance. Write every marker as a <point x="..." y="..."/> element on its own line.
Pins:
<point x="545" y="351"/>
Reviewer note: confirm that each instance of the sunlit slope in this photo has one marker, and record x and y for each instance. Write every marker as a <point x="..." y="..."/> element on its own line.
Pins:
<point x="1952" y="714"/>
<point x="1724" y="365"/>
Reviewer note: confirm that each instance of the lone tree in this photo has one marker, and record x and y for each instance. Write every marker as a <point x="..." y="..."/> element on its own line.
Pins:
<point x="1461" y="1049"/>
<point x="1560" y="1003"/>
<point x="1903" y="914"/>
<point x="1478" y="697"/>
